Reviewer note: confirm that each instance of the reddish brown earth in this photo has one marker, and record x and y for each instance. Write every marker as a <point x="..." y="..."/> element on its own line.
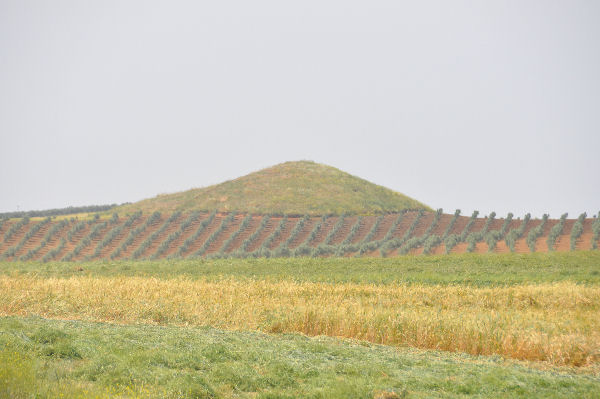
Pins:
<point x="563" y="242"/>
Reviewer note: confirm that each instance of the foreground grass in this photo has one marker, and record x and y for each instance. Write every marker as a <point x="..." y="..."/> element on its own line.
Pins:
<point x="558" y="323"/>
<point x="72" y="359"/>
<point x="470" y="269"/>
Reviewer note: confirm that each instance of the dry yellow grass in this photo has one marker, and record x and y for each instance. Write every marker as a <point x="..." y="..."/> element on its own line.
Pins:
<point x="557" y="323"/>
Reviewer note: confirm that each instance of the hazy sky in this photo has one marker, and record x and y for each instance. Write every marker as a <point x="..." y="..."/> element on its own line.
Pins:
<point x="481" y="105"/>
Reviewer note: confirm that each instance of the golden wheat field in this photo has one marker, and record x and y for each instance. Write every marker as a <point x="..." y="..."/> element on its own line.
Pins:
<point x="557" y="323"/>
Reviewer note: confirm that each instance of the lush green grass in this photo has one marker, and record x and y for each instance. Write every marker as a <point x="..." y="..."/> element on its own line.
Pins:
<point x="78" y="359"/>
<point x="471" y="269"/>
<point x="296" y="188"/>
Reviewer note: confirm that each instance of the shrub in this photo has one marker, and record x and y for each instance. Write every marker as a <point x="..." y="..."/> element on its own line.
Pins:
<point x="266" y="245"/>
<point x="134" y="233"/>
<point x="431" y="242"/>
<point x="399" y="242"/>
<point x="476" y="236"/>
<point x="302" y="250"/>
<point x="488" y="223"/>
<point x="59" y="211"/>
<point x="472" y="240"/>
<point x="87" y="240"/>
<point x="254" y="236"/>
<point x="434" y="223"/>
<point x="373" y="231"/>
<point x="234" y="236"/>
<point x="413" y="242"/>
<point x="390" y="234"/>
<point x="54" y="252"/>
<point x="15" y="227"/>
<point x="492" y="238"/>
<point x="367" y="243"/>
<point x="175" y="235"/>
<point x="49" y="234"/>
<point x="113" y="233"/>
<point x="353" y="231"/>
<point x="577" y="230"/>
<point x="115" y="218"/>
<point x="465" y="232"/>
<point x="149" y="240"/>
<point x="296" y="231"/>
<point x="74" y="230"/>
<point x="555" y="231"/>
<point x="94" y="219"/>
<point x="408" y="242"/>
<point x="451" y="241"/>
<point x="596" y="232"/>
<point x="129" y="222"/>
<point x="30" y="233"/>
<point x="513" y="235"/>
<point x="338" y="226"/>
<point x="212" y="238"/>
<point x="315" y="231"/>
<point x="451" y="224"/>
<point x="506" y="224"/>
<point x="535" y="233"/>
<point x="323" y="250"/>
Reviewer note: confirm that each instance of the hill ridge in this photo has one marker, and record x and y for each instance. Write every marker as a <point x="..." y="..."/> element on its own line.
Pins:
<point x="290" y="188"/>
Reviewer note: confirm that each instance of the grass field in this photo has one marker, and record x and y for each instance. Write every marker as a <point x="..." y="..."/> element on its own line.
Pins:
<point x="469" y="269"/>
<point x="508" y="326"/>
<point x="82" y="360"/>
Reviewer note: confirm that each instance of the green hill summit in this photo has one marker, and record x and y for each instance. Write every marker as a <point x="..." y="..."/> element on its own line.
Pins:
<point x="292" y="188"/>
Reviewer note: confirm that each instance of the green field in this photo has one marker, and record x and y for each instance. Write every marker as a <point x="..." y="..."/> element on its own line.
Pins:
<point x="79" y="359"/>
<point x="484" y="326"/>
<point x="470" y="269"/>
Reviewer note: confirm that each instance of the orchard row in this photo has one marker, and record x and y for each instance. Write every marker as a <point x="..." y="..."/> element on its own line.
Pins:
<point x="203" y="234"/>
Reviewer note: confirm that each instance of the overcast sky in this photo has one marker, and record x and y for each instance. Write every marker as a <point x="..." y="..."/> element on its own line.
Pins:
<point x="484" y="105"/>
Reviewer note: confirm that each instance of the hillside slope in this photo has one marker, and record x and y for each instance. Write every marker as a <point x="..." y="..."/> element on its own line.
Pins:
<point x="293" y="188"/>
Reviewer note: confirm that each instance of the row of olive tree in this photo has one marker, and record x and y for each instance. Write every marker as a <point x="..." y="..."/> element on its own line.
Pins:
<point x="164" y="246"/>
<point x="139" y="251"/>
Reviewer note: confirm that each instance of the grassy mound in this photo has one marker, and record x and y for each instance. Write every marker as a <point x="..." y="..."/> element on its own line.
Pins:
<point x="298" y="188"/>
